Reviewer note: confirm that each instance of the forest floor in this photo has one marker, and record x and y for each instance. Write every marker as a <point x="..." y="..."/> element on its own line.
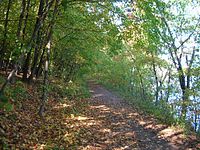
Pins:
<point x="103" y="122"/>
<point x="119" y="126"/>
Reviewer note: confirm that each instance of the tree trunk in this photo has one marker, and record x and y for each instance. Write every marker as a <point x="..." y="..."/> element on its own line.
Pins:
<point x="35" y="59"/>
<point x="19" y="62"/>
<point x="38" y="70"/>
<point x="177" y="61"/>
<point x="32" y="40"/>
<point x="142" y="87"/>
<point x="184" y="94"/>
<point x="26" y="66"/>
<point x="48" y="46"/>
<point x="21" y="18"/>
<point x="3" y="48"/>
<point x="168" y="86"/>
<point x="25" y="21"/>
<point x="156" y="79"/>
<point x="184" y="104"/>
<point x="45" y="83"/>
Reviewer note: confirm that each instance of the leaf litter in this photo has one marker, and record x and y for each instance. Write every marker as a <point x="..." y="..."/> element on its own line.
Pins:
<point x="102" y="122"/>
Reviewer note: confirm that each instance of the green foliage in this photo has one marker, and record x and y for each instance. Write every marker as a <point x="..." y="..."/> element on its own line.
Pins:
<point x="72" y="90"/>
<point x="2" y="80"/>
<point x="3" y="98"/>
<point x="5" y="104"/>
<point x="17" y="92"/>
<point x="76" y="90"/>
<point x="85" y="28"/>
<point x="162" y="111"/>
<point x="130" y="52"/>
<point x="121" y="75"/>
<point x="14" y="94"/>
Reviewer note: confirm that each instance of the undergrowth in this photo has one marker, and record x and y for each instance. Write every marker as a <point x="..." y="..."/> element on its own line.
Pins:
<point x="72" y="90"/>
<point x="162" y="111"/>
<point x="14" y="94"/>
<point x="19" y="122"/>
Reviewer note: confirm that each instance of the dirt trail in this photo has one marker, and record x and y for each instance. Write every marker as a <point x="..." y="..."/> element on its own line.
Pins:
<point x="102" y="122"/>
<point x="114" y="125"/>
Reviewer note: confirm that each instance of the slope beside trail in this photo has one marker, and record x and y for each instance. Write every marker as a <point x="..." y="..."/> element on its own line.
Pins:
<point x="102" y="122"/>
<point x="115" y="125"/>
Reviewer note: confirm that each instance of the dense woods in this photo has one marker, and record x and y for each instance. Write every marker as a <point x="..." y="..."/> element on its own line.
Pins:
<point x="146" y="50"/>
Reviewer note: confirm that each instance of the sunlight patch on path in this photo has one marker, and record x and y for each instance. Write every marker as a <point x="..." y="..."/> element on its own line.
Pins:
<point x="61" y="105"/>
<point x="124" y="127"/>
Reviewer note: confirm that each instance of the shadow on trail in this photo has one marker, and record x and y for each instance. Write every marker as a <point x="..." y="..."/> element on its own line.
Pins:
<point x="111" y="124"/>
<point x="107" y="123"/>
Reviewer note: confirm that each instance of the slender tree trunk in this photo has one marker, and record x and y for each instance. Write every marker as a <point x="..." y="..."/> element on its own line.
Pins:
<point x="21" y="17"/>
<point x="168" y="87"/>
<point x="184" y="94"/>
<point x="186" y="85"/>
<point x="33" y="68"/>
<point x="26" y="66"/>
<point x="131" y="88"/>
<point x="184" y="104"/>
<point x="23" y="36"/>
<point x="39" y="42"/>
<point x="45" y="83"/>
<point x="48" y="46"/>
<point x="25" y="21"/>
<point x="32" y="40"/>
<point x="19" y="62"/>
<point x="160" y="89"/>
<point x="195" y="120"/>
<point x="36" y="55"/>
<point x="143" y="95"/>
<point x="177" y="61"/>
<point x="38" y="70"/>
<point x="195" y="113"/>
<point x="156" y="79"/>
<point x="3" y="48"/>
<point x="42" y="13"/>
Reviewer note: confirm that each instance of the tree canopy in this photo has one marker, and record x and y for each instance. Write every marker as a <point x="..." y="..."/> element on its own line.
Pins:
<point x="147" y="50"/>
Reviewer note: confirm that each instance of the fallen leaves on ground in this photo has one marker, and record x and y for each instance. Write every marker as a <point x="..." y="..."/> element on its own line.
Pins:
<point x="103" y="122"/>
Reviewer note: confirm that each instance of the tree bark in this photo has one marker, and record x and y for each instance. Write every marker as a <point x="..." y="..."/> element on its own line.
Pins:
<point x="42" y="13"/>
<point x="21" y="17"/>
<point x="156" y="79"/>
<point x="45" y="83"/>
<point x="48" y="45"/>
<point x="32" y="40"/>
<point x="177" y="63"/>
<point x="38" y="46"/>
<point x="142" y="89"/>
<point x="168" y="86"/>
<point x="38" y="70"/>
<point x="25" y="21"/>
<point x="3" y="47"/>
<point x="19" y="62"/>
